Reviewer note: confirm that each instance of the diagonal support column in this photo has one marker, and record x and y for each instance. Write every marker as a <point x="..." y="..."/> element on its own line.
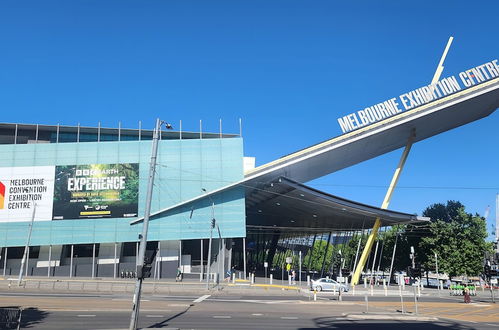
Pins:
<point x="386" y="202"/>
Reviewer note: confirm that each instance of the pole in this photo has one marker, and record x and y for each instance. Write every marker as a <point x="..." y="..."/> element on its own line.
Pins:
<point x="244" y="256"/>
<point x="358" y="249"/>
<point x="325" y="253"/>
<point x="384" y="205"/>
<point x="393" y="256"/>
<point x="208" y="259"/>
<point x="436" y="269"/>
<point x="299" y="274"/>
<point x="143" y="237"/>
<point x="311" y="253"/>
<point x="202" y="262"/>
<point x="93" y="261"/>
<point x="26" y="248"/>
<point x="50" y="261"/>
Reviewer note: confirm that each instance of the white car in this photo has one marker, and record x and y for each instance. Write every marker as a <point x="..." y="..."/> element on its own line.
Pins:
<point x="326" y="284"/>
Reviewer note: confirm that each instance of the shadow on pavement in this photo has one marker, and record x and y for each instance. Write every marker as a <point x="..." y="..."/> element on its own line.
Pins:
<point x="30" y="317"/>
<point x="165" y="322"/>
<point x="334" y="323"/>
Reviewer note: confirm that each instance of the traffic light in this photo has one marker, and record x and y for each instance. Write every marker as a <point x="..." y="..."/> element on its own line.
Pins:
<point x="409" y="271"/>
<point x="144" y="271"/>
<point x="487" y="270"/>
<point x="213" y="223"/>
<point x="417" y="271"/>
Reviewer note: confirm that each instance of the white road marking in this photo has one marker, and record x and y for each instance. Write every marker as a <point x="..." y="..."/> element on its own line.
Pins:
<point x="289" y="318"/>
<point x="86" y="315"/>
<point x="257" y="314"/>
<point x="200" y="299"/>
<point x="492" y="324"/>
<point x="222" y="317"/>
<point x="154" y="316"/>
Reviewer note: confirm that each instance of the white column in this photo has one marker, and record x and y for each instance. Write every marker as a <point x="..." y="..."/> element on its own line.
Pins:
<point x="114" y="261"/>
<point x="244" y="256"/>
<point x="49" y="266"/>
<point x="202" y="266"/>
<point x="5" y="261"/>
<point x="93" y="261"/>
<point x="27" y="263"/>
<point x="71" y="263"/>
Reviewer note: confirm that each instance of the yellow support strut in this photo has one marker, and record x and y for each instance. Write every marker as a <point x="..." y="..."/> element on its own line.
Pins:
<point x="386" y="202"/>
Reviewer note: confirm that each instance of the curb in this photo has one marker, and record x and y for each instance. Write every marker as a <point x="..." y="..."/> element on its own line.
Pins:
<point x="390" y="317"/>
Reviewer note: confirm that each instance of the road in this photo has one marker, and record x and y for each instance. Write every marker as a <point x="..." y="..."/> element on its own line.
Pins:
<point x="256" y="311"/>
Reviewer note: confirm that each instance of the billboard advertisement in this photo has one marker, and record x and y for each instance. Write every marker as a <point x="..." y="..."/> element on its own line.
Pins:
<point x="21" y="188"/>
<point x="96" y="191"/>
<point x="69" y="192"/>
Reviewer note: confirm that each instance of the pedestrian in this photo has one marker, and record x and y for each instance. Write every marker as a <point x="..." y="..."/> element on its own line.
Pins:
<point x="179" y="276"/>
<point x="467" y="297"/>
<point x="293" y="277"/>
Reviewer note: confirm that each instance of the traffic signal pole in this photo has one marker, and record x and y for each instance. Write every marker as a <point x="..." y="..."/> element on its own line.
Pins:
<point x="143" y="237"/>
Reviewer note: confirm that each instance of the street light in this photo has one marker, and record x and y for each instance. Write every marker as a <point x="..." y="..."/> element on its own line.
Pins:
<point x="142" y="268"/>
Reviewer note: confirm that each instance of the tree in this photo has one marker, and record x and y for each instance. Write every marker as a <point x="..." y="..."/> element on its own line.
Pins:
<point x="317" y="254"/>
<point x="458" y="239"/>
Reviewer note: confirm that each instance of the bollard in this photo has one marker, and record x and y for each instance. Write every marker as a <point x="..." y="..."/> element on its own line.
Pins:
<point x="239" y="275"/>
<point x="401" y="298"/>
<point x="308" y="280"/>
<point x="365" y="283"/>
<point x="372" y="290"/>
<point x="233" y="278"/>
<point x="289" y="280"/>
<point x="315" y="295"/>
<point x="339" y="295"/>
<point x="271" y="278"/>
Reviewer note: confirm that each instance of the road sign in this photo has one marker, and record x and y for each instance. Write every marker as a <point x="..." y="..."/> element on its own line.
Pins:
<point x="289" y="260"/>
<point x="493" y="281"/>
<point x="265" y="264"/>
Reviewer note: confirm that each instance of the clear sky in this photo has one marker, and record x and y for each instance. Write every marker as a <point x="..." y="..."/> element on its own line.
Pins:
<point x="288" y="68"/>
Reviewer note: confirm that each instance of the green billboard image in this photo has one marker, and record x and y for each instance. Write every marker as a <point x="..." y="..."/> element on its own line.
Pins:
<point x="96" y="191"/>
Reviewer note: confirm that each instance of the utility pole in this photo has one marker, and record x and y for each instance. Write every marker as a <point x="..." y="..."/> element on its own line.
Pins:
<point x="143" y="237"/>
<point x="212" y="225"/>
<point x="26" y="248"/>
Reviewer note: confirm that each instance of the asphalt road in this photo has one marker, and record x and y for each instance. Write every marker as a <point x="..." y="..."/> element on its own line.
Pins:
<point x="271" y="311"/>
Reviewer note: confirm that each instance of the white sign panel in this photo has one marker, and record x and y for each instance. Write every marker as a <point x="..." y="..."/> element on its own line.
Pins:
<point x="21" y="188"/>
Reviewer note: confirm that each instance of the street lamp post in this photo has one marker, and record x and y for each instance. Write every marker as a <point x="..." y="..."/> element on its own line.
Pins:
<point x="143" y="237"/>
<point x="212" y="225"/>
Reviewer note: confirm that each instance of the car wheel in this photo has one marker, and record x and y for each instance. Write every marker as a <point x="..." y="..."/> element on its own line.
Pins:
<point x="318" y="288"/>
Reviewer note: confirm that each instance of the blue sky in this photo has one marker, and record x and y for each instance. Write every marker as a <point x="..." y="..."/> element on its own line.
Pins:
<point x="287" y="68"/>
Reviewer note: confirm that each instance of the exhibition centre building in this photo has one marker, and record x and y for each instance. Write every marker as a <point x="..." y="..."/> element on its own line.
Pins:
<point x="84" y="191"/>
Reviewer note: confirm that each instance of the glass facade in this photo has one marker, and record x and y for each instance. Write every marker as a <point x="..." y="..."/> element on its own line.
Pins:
<point x="184" y="169"/>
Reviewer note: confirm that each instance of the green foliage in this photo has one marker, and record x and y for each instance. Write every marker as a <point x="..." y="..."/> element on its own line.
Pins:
<point x="317" y="255"/>
<point x="458" y="238"/>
